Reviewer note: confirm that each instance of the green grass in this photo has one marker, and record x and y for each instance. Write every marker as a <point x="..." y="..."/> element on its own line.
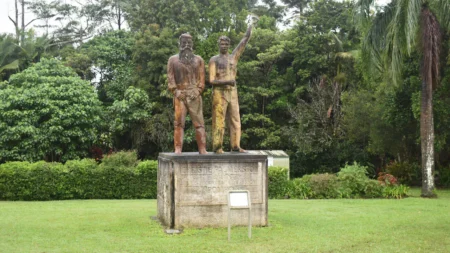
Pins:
<point x="382" y="225"/>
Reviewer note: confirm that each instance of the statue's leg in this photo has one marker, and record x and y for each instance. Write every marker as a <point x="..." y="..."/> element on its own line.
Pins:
<point x="218" y="119"/>
<point x="180" y="119"/>
<point x="235" y="122"/>
<point x="195" y="109"/>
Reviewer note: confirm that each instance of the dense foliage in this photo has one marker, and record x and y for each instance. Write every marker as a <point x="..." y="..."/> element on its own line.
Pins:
<point x="304" y="87"/>
<point x="47" y="113"/>
<point x="120" y="176"/>
<point x="350" y="182"/>
<point x="123" y="176"/>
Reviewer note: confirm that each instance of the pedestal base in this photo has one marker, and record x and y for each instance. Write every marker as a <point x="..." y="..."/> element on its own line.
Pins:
<point x="193" y="188"/>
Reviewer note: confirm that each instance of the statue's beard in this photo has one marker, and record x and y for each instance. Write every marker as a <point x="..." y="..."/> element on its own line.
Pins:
<point x="186" y="56"/>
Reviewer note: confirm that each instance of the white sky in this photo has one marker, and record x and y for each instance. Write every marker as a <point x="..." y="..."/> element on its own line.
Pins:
<point x="7" y="8"/>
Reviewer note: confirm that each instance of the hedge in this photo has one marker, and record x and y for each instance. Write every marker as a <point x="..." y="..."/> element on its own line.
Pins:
<point x="122" y="176"/>
<point x="350" y="182"/>
<point x="77" y="179"/>
<point x="278" y="182"/>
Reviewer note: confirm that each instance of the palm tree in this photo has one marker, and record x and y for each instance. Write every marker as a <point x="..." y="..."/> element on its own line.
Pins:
<point x="401" y="27"/>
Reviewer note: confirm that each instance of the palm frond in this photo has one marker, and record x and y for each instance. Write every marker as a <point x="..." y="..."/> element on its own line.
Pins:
<point x="412" y="22"/>
<point x="361" y="12"/>
<point x="374" y="42"/>
<point x="442" y="10"/>
<point x="395" y="41"/>
<point x="11" y="66"/>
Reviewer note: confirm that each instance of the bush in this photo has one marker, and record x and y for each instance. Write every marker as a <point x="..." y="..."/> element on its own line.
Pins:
<point x="14" y="179"/>
<point x="387" y="179"/>
<point x="300" y="188"/>
<point x="443" y="175"/>
<point x="77" y="179"/>
<point x="25" y="181"/>
<point x="127" y="159"/>
<point x="405" y="172"/>
<point x="81" y="175"/>
<point x="278" y="182"/>
<point x="353" y="180"/>
<point x="147" y="171"/>
<point x="324" y="186"/>
<point x="395" y="191"/>
<point x="47" y="112"/>
<point x="373" y="189"/>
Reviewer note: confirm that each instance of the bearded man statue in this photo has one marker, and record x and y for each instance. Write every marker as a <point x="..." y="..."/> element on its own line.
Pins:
<point x="186" y="77"/>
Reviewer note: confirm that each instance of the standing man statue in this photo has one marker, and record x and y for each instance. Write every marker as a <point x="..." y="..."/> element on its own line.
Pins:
<point x="222" y="76"/>
<point x="186" y="77"/>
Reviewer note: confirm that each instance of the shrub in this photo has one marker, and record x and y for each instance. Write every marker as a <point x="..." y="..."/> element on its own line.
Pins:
<point x="300" y="188"/>
<point x="25" y="181"/>
<point x="13" y="180"/>
<point x="81" y="176"/>
<point x="373" y="189"/>
<point x="405" y="172"/>
<point x="278" y="182"/>
<point x="127" y="159"/>
<point x="324" y="186"/>
<point x="443" y="175"/>
<point x="395" y="191"/>
<point x="386" y="179"/>
<point x="147" y="171"/>
<point x="353" y="180"/>
<point x="47" y="112"/>
<point x="77" y="179"/>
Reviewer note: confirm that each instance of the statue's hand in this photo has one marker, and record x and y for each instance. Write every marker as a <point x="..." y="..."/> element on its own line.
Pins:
<point x="180" y="95"/>
<point x="195" y="94"/>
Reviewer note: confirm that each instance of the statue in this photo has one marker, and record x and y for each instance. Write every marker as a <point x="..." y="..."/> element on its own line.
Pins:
<point x="222" y="76"/>
<point x="186" y="77"/>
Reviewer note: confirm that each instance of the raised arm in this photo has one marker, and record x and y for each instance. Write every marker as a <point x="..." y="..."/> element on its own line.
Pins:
<point x="237" y="52"/>
<point x="172" y="86"/>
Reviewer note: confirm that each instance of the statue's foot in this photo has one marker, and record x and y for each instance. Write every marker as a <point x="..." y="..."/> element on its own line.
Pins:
<point x="240" y="150"/>
<point x="203" y="152"/>
<point x="178" y="151"/>
<point x="219" y="151"/>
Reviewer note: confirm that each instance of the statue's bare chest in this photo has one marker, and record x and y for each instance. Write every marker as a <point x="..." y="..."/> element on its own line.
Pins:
<point x="225" y="63"/>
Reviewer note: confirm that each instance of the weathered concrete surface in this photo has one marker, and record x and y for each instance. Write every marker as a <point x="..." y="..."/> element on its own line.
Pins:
<point x="193" y="188"/>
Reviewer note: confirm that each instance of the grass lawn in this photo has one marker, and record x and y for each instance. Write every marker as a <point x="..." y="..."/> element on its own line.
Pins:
<point x="408" y="225"/>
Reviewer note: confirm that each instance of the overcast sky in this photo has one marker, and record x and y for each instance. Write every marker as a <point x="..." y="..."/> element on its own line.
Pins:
<point x="7" y="8"/>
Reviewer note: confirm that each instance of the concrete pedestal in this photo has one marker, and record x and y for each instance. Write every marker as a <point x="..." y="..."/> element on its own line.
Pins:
<point x="193" y="188"/>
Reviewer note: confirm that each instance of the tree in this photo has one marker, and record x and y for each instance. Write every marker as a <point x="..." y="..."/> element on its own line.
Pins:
<point x="8" y="52"/>
<point x="129" y="117"/>
<point x="47" y="112"/>
<point x="297" y="4"/>
<point x="110" y="56"/>
<point x="43" y="11"/>
<point x="16" y="57"/>
<point x="269" y="9"/>
<point x="392" y="35"/>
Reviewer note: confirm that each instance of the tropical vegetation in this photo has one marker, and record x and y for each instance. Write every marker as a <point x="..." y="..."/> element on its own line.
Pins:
<point x="330" y="82"/>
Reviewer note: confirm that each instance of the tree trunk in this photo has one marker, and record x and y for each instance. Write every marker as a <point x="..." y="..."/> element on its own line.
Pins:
<point x="119" y="14"/>
<point x="431" y="44"/>
<point x="22" y="34"/>
<point x="427" y="140"/>
<point x="16" y="24"/>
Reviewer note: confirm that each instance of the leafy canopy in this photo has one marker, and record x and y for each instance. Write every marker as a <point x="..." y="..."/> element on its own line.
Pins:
<point x="47" y="112"/>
